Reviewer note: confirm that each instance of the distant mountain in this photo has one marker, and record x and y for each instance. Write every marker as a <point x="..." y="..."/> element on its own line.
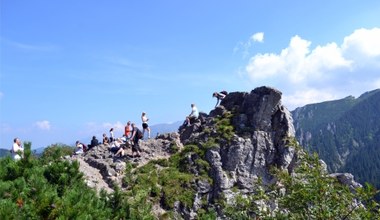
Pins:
<point x="345" y="133"/>
<point x="39" y="151"/>
<point x="4" y="152"/>
<point x="164" y="128"/>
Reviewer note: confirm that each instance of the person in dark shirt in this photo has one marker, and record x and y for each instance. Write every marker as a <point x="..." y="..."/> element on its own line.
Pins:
<point x="94" y="142"/>
<point x="219" y="96"/>
<point x="136" y="136"/>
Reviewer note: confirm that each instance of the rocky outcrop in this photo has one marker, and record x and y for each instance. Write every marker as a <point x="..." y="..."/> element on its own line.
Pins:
<point x="347" y="179"/>
<point x="262" y="127"/>
<point x="112" y="168"/>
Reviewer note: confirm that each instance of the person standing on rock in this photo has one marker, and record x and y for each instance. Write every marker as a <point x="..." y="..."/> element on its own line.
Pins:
<point x="17" y="150"/>
<point x="127" y="131"/>
<point x="112" y="136"/>
<point x="145" y="125"/>
<point x="136" y="136"/>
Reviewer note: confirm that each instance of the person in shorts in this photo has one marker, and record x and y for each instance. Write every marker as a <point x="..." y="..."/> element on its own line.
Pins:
<point x="145" y="125"/>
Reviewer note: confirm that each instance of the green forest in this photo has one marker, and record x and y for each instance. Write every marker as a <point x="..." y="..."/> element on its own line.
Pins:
<point x="345" y="133"/>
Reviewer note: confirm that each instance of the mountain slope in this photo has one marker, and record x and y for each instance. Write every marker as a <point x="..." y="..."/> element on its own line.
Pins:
<point x="345" y="133"/>
<point x="4" y="153"/>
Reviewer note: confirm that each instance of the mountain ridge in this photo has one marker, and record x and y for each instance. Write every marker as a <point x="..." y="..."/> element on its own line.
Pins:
<point x="348" y="140"/>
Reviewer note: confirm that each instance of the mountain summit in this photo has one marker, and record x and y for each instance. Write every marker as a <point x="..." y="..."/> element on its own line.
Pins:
<point x="239" y="161"/>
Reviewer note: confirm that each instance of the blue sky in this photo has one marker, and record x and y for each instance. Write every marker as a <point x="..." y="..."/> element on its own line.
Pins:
<point x="73" y="69"/>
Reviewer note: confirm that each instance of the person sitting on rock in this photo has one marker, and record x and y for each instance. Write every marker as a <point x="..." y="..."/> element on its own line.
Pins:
<point x="116" y="146"/>
<point x="219" y="96"/>
<point x="105" y="139"/>
<point x="122" y="148"/>
<point x="136" y="136"/>
<point x="192" y="116"/>
<point x="94" y="142"/>
<point x="79" y="148"/>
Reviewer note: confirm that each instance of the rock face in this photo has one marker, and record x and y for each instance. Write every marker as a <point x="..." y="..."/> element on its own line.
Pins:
<point x="262" y="127"/>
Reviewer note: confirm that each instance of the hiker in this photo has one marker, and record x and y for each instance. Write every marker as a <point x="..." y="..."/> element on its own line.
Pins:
<point x="112" y="137"/>
<point x="105" y="139"/>
<point x="121" y="149"/>
<point x="127" y="130"/>
<point x="17" y="149"/>
<point x="136" y="136"/>
<point x="219" y="96"/>
<point x="79" y="148"/>
<point x="192" y="116"/>
<point x="145" y="125"/>
<point x="94" y="142"/>
<point x="115" y="146"/>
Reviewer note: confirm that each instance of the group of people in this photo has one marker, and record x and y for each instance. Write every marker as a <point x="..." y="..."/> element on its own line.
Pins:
<point x="132" y="135"/>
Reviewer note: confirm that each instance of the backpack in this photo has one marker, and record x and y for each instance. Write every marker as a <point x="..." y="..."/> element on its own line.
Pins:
<point x="139" y="134"/>
<point x="224" y="92"/>
<point x="84" y="147"/>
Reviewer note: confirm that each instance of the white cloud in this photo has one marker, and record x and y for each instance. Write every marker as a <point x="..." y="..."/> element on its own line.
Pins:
<point x="1" y="95"/>
<point x="98" y="129"/>
<point x="331" y="71"/>
<point x="43" y="125"/>
<point x="246" y="46"/>
<point x="307" y="96"/>
<point x="117" y="126"/>
<point x="364" y="42"/>
<point x="296" y="63"/>
<point x="258" y="37"/>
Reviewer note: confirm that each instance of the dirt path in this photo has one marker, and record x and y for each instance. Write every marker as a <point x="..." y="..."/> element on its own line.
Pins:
<point x="92" y="177"/>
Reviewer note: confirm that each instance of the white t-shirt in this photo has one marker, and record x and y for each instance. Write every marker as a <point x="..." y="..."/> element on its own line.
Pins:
<point x="144" y="119"/>
<point x="194" y="112"/>
<point x="79" y="149"/>
<point x="16" y="148"/>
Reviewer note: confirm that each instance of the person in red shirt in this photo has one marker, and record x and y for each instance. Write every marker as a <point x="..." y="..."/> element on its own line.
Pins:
<point x="127" y="130"/>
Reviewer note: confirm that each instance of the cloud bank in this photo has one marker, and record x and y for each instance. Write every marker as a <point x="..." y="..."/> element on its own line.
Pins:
<point x="325" y="72"/>
<point x="43" y="125"/>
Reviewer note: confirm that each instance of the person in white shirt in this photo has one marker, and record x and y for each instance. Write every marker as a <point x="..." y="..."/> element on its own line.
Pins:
<point x="79" y="148"/>
<point x="193" y="115"/>
<point x="17" y="150"/>
<point x="145" y="125"/>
